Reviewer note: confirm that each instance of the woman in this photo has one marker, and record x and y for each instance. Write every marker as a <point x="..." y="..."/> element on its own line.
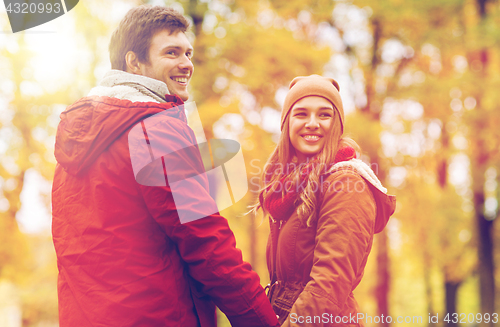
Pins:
<point x="324" y="207"/>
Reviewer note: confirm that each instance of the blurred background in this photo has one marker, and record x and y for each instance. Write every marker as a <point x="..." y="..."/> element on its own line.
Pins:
<point x="420" y="82"/>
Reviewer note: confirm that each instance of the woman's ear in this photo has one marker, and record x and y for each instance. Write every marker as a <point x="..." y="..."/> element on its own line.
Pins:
<point x="133" y="64"/>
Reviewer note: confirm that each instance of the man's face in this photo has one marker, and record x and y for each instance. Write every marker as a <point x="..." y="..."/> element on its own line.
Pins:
<point x="170" y="61"/>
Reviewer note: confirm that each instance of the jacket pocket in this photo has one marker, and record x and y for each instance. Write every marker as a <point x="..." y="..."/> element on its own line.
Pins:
<point x="282" y="296"/>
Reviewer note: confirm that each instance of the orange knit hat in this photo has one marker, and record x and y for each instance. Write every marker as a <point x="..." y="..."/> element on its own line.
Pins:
<point x="303" y="86"/>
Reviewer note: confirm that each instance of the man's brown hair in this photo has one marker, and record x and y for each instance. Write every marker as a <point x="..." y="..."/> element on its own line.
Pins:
<point x="137" y="29"/>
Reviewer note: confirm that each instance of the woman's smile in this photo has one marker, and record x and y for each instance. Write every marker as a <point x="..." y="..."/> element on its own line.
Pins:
<point x="311" y="138"/>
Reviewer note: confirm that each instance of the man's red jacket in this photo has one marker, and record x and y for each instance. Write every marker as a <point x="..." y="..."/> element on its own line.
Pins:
<point x="124" y="258"/>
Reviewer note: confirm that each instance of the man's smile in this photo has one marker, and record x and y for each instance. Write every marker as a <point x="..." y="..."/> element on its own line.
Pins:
<point x="180" y="79"/>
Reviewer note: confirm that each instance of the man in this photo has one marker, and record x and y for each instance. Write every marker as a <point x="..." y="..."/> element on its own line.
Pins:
<point x="124" y="257"/>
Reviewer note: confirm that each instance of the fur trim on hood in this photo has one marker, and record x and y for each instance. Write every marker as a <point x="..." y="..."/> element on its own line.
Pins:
<point x="136" y="88"/>
<point x="385" y="203"/>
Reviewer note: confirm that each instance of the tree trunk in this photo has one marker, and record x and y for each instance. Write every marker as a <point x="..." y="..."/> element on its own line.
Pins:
<point x="450" y="286"/>
<point x="383" y="277"/>
<point x="442" y="166"/>
<point x="370" y="83"/>
<point x="196" y="15"/>
<point x="451" y="289"/>
<point x="427" y="281"/>
<point x="484" y="229"/>
<point x="485" y="254"/>
<point x="479" y="164"/>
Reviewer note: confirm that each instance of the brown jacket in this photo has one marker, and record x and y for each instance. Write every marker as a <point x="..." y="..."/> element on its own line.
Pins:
<point x="318" y="267"/>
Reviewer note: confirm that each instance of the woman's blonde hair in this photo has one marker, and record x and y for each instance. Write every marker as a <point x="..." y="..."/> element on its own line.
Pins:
<point x="285" y="156"/>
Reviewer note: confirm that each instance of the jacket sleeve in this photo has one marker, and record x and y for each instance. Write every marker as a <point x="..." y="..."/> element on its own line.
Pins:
<point x="344" y="234"/>
<point x="207" y="244"/>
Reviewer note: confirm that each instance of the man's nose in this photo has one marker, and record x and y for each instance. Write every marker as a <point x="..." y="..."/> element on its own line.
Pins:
<point x="186" y="63"/>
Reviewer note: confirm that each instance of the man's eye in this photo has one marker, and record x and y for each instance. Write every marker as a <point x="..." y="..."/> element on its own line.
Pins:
<point x="171" y="52"/>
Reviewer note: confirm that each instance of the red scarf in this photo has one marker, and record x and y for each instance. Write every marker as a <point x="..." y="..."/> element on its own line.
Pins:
<point x="282" y="207"/>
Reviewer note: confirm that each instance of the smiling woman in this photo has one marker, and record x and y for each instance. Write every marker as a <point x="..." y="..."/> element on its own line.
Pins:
<point x="323" y="214"/>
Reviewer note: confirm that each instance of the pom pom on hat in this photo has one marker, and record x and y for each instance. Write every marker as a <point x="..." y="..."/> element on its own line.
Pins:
<point x="303" y="86"/>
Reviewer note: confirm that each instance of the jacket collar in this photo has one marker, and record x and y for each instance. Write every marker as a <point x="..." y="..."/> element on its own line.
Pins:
<point x="136" y="88"/>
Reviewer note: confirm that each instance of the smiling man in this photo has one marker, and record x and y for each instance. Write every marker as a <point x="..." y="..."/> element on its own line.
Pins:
<point x="124" y="258"/>
<point x="169" y="61"/>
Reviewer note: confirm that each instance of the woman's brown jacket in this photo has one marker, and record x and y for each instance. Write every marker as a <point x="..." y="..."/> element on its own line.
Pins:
<point x="314" y="270"/>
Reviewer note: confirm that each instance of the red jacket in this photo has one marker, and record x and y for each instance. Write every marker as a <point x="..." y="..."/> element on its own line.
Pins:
<point x="124" y="258"/>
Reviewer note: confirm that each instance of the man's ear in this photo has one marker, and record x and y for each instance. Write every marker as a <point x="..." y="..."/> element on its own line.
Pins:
<point x="133" y="64"/>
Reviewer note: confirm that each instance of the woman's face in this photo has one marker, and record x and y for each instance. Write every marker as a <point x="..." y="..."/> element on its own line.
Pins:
<point x="311" y="119"/>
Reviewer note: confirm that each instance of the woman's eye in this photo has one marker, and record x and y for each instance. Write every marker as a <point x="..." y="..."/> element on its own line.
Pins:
<point x="325" y="115"/>
<point x="301" y="114"/>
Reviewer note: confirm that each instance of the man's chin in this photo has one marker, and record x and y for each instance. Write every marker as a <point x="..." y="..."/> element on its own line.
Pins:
<point x="183" y="94"/>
